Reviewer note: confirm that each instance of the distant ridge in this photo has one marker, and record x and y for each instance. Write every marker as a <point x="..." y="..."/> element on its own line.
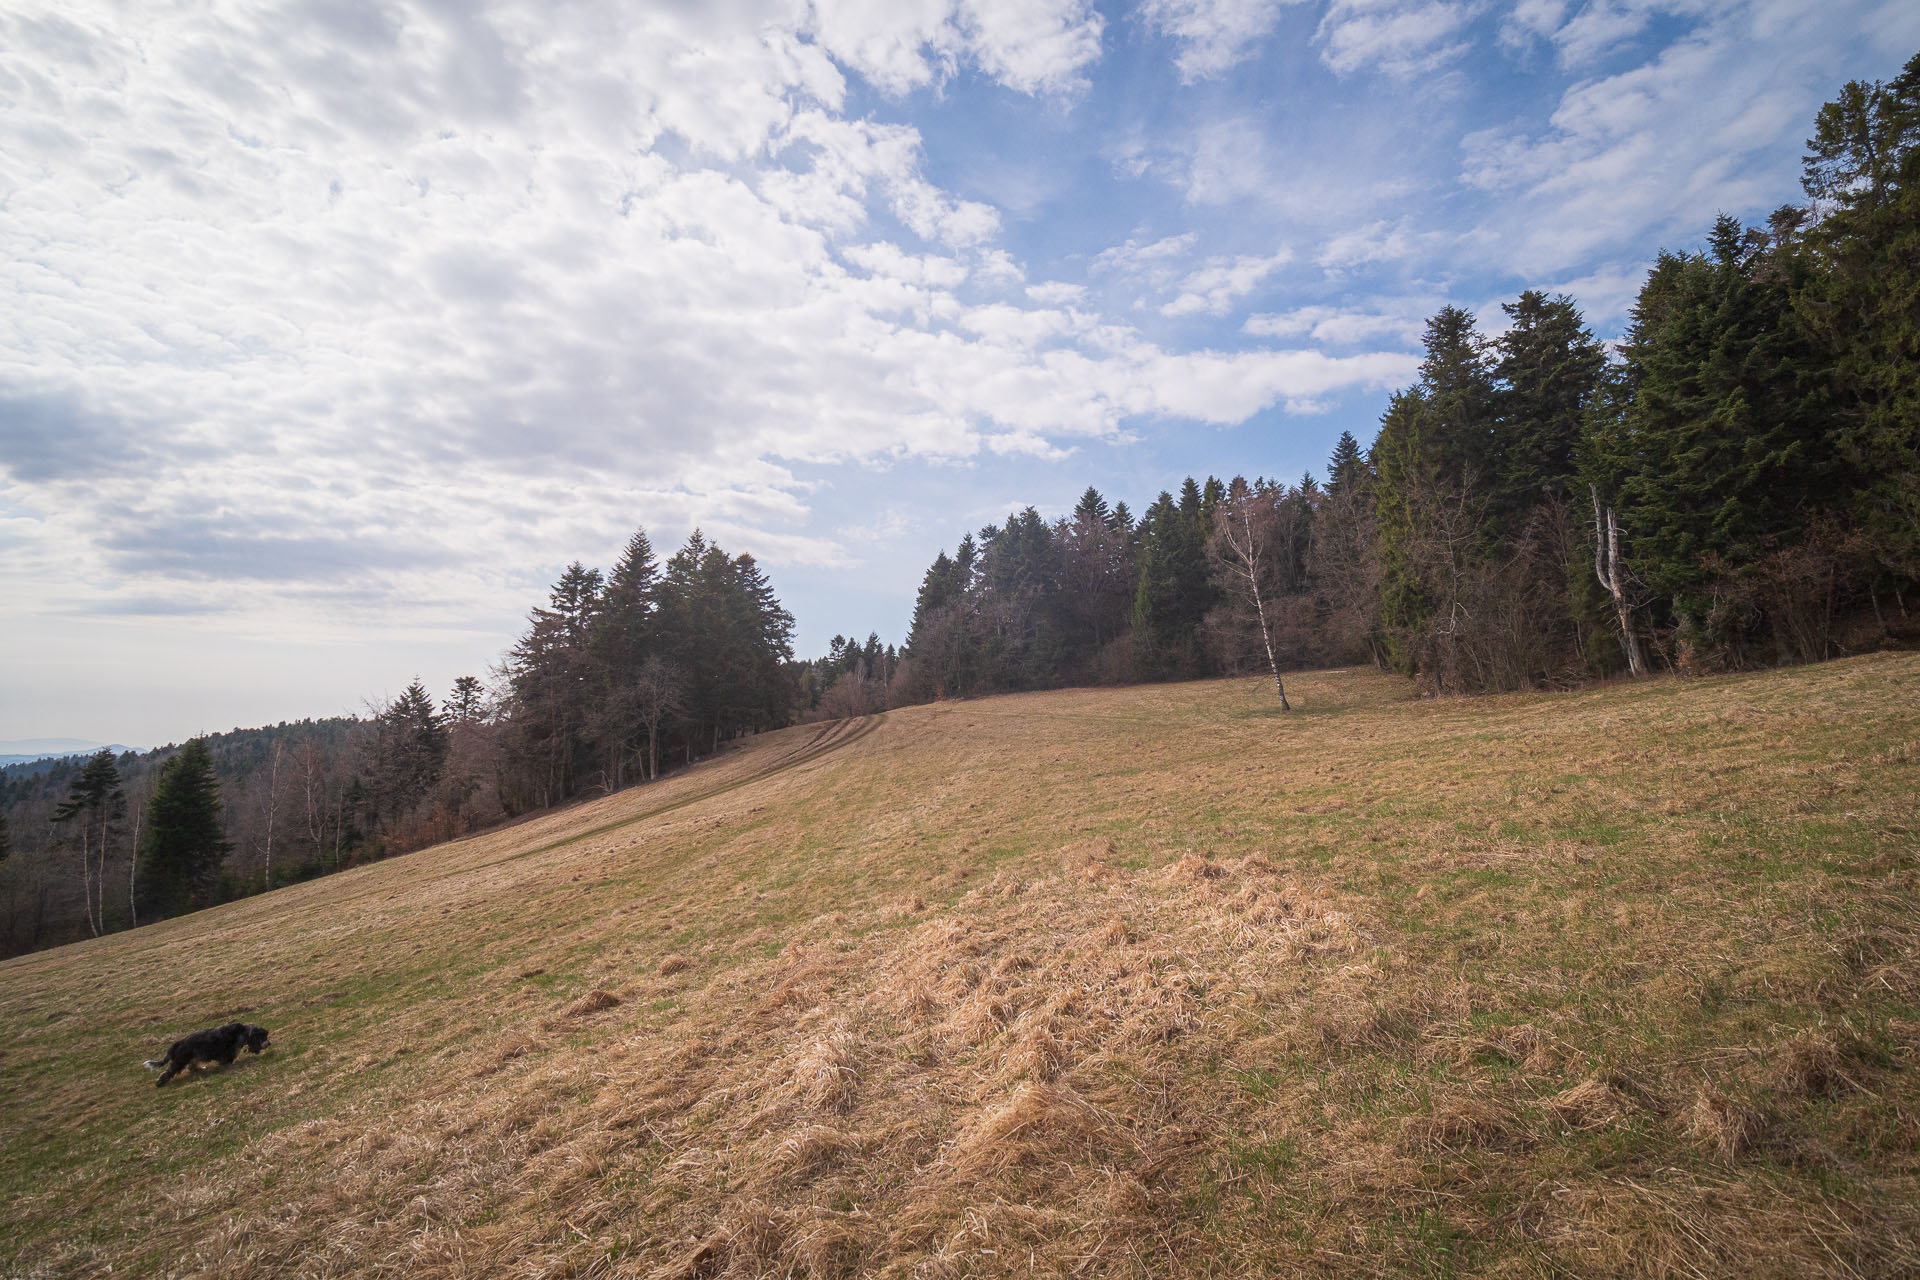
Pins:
<point x="30" y="750"/>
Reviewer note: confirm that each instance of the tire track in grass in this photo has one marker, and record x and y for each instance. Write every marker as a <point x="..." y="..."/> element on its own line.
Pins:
<point x="842" y="733"/>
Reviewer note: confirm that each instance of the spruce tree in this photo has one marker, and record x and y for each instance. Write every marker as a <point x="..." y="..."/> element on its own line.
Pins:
<point x="467" y="702"/>
<point x="576" y="598"/>
<point x="1433" y="465"/>
<point x="729" y="640"/>
<point x="1091" y="507"/>
<point x="1020" y="602"/>
<point x="1097" y="564"/>
<point x="1403" y="476"/>
<point x="1197" y="592"/>
<point x="939" y="645"/>
<point x="1458" y="401"/>
<point x="1716" y="457"/>
<point x="623" y="619"/>
<point x="1346" y="466"/>
<point x="1549" y="369"/>
<point x="1172" y="574"/>
<point x="1344" y="561"/>
<point x="550" y="688"/>
<point x="410" y="751"/>
<point x="937" y="592"/>
<point x="1862" y="170"/>
<point x="1192" y="502"/>
<point x="623" y="637"/>
<point x="183" y="844"/>
<point x="1211" y="495"/>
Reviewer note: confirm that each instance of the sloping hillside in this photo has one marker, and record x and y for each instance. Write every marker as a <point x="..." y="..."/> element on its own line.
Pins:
<point x="1153" y="981"/>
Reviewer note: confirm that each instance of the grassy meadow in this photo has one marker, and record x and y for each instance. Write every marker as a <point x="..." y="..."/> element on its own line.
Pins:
<point x="1151" y="981"/>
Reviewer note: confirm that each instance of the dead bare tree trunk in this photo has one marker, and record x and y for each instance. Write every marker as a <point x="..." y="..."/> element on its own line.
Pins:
<point x="657" y="691"/>
<point x="273" y="809"/>
<point x="86" y="874"/>
<point x="139" y="807"/>
<point x="316" y="814"/>
<point x="1606" y="567"/>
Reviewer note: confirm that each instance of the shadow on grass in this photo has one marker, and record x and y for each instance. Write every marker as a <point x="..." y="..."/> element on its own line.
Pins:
<point x="195" y="1074"/>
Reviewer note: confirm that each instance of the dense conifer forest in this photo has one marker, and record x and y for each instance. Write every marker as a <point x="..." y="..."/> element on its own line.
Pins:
<point x="1736" y="483"/>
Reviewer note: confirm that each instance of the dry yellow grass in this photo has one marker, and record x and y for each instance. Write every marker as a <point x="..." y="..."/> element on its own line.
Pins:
<point x="1151" y="981"/>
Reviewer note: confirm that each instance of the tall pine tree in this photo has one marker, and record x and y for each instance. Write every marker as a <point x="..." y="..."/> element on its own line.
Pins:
<point x="1549" y="368"/>
<point x="1862" y="306"/>
<point x="409" y="751"/>
<point x="1715" y="459"/>
<point x="183" y="843"/>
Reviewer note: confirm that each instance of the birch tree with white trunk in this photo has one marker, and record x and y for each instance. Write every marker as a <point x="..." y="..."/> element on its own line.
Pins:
<point x="1242" y="545"/>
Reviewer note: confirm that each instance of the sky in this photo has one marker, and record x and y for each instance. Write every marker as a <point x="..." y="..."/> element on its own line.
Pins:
<point x="330" y="332"/>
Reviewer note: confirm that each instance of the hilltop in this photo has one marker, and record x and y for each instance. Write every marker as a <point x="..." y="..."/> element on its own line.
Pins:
<point x="1141" y="981"/>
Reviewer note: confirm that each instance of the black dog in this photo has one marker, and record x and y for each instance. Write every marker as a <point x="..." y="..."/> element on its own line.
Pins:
<point x="221" y="1045"/>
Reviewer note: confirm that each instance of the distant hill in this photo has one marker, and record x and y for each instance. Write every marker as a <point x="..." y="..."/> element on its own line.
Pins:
<point x="35" y="750"/>
<point x="1105" y="983"/>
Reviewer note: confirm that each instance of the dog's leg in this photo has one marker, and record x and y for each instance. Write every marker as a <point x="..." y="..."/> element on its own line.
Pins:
<point x="172" y="1068"/>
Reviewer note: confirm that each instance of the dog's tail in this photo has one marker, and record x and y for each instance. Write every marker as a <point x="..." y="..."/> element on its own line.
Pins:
<point x="154" y="1064"/>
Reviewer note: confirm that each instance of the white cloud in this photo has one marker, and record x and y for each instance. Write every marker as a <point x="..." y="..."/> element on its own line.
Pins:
<point x="1032" y="46"/>
<point x="1222" y="281"/>
<point x="1531" y="19"/>
<point x="1213" y="34"/>
<point x="1393" y="36"/>
<point x="1346" y="326"/>
<point x="997" y="266"/>
<point x="1581" y="34"/>
<point x="1006" y="325"/>
<point x="1151" y="257"/>
<point x="1652" y="153"/>
<point x="1377" y="242"/>
<point x="1212" y="387"/>
<point x="1605" y="295"/>
<point x="1055" y="293"/>
<point x="1226" y="160"/>
<point x="781" y="548"/>
<point x="894" y="263"/>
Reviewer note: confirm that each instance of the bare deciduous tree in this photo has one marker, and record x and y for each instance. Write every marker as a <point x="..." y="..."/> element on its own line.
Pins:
<point x="272" y="807"/>
<point x="1240" y="546"/>
<point x="137" y="796"/>
<point x="98" y="802"/>
<point x="657" y="693"/>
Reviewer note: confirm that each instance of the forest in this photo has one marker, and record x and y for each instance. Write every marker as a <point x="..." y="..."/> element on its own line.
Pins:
<point x="1734" y="483"/>
<point x="619" y="675"/>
